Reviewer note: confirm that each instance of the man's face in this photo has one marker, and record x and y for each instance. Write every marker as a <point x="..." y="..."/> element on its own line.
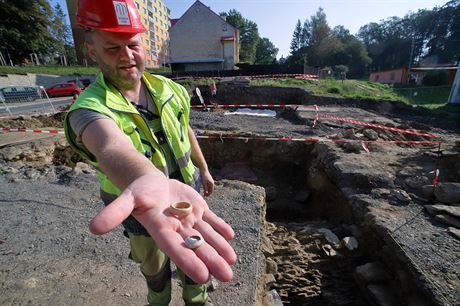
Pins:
<point x="120" y="57"/>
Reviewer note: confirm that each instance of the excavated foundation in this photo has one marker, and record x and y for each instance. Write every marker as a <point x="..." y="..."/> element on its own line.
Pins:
<point x="318" y="250"/>
<point x="302" y="266"/>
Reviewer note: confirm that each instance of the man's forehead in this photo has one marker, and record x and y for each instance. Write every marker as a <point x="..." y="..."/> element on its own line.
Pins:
<point x="116" y="38"/>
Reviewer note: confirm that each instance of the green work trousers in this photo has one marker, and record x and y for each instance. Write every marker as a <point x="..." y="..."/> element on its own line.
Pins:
<point x="155" y="266"/>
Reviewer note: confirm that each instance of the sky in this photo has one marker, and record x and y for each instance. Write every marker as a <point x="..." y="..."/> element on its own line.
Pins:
<point x="276" y="19"/>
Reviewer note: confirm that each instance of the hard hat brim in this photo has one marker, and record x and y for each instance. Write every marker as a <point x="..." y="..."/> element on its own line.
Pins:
<point x="123" y="30"/>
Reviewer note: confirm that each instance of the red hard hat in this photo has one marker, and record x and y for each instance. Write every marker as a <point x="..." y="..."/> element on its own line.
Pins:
<point x="119" y="16"/>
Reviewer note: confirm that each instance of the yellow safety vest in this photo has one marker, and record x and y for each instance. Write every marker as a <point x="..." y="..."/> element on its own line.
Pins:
<point x="173" y="104"/>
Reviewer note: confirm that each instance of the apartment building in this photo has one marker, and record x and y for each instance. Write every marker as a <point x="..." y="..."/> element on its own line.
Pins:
<point x="155" y="17"/>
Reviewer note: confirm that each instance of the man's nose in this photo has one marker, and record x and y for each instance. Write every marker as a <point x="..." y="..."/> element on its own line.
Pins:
<point x="126" y="53"/>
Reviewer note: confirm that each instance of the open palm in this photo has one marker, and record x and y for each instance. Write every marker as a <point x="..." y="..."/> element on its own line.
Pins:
<point x="148" y="200"/>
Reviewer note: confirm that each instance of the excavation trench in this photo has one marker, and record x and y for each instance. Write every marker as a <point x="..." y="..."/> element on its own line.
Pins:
<point x="300" y="205"/>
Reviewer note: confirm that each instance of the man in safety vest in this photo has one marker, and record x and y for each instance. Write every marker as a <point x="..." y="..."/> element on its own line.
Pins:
<point x="133" y="127"/>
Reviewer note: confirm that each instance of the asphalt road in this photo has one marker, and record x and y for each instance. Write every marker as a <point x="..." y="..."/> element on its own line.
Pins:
<point x="37" y="106"/>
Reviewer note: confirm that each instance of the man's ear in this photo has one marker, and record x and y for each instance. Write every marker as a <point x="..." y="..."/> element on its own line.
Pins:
<point x="91" y="52"/>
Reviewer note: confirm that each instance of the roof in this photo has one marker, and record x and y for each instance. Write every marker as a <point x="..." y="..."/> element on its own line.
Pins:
<point x="415" y="69"/>
<point x="173" y="21"/>
<point x="200" y="60"/>
<point x="434" y="68"/>
<point x="207" y="7"/>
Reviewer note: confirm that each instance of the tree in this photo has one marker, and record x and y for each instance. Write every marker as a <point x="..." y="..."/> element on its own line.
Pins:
<point x="265" y="52"/>
<point x="24" y="28"/>
<point x="61" y="35"/>
<point x="425" y="37"/>
<point x="249" y="34"/>
<point x="319" y="46"/>
<point x="296" y="41"/>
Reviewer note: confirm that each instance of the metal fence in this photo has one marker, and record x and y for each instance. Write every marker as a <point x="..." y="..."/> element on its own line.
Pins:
<point x="19" y="99"/>
<point x="426" y="94"/>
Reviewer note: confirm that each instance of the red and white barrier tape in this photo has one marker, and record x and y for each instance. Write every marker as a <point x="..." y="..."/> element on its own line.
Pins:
<point x="317" y="139"/>
<point x="364" y="143"/>
<point x="262" y="76"/>
<point x="322" y="115"/>
<point x="7" y="130"/>
<point x="377" y="126"/>
<point x="239" y="105"/>
<point x="436" y="178"/>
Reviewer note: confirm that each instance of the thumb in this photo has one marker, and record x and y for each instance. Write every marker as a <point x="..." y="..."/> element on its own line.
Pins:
<point x="112" y="215"/>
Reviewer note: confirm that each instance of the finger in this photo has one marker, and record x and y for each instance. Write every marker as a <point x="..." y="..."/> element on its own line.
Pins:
<point x="218" y="224"/>
<point x="205" y="187"/>
<point x="112" y="215"/>
<point x="210" y="187"/>
<point x="216" y="241"/>
<point x="214" y="262"/>
<point x="173" y="245"/>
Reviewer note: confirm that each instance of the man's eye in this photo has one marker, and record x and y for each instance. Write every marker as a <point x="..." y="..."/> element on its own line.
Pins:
<point x="112" y="49"/>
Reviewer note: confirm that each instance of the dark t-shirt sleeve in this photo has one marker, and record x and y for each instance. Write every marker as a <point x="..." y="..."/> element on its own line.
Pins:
<point x="80" y="118"/>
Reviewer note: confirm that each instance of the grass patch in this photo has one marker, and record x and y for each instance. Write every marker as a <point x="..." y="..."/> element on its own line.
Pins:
<point x="348" y="89"/>
<point x="425" y="95"/>
<point x="64" y="71"/>
<point x="53" y="70"/>
<point x="191" y="83"/>
<point x="432" y="98"/>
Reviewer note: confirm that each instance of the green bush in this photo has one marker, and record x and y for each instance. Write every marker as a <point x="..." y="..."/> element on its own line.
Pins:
<point x="435" y="78"/>
<point x="333" y="90"/>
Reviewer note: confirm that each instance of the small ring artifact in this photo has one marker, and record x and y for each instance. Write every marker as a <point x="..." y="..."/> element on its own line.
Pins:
<point x="181" y="209"/>
<point x="192" y="242"/>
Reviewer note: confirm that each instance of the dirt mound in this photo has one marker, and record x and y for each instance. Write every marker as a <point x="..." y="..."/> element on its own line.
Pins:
<point x="34" y="122"/>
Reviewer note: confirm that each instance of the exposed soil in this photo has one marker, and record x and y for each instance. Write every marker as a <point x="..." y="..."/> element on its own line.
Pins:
<point x="373" y="196"/>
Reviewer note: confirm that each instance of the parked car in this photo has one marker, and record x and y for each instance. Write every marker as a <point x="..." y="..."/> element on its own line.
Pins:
<point x="19" y="93"/>
<point x="64" y="89"/>
<point x="85" y="82"/>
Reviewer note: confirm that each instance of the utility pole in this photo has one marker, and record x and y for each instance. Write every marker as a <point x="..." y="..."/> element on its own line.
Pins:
<point x="454" y="96"/>
<point x="410" y="57"/>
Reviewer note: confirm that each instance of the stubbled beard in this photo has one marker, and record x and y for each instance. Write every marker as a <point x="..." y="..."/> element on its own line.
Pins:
<point x="116" y="79"/>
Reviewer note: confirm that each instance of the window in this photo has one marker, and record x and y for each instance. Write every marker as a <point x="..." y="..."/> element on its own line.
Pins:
<point x="137" y="5"/>
<point x="145" y="11"/>
<point x="224" y="27"/>
<point x="145" y="21"/>
<point x="147" y="52"/>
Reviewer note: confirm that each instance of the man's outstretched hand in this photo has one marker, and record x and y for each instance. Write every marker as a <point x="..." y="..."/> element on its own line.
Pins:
<point x="148" y="199"/>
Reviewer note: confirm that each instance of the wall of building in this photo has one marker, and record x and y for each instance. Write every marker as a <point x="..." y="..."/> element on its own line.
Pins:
<point x="395" y="76"/>
<point x="155" y="17"/>
<point x="229" y="55"/>
<point x="197" y="36"/>
<point x="203" y="66"/>
<point x="32" y="79"/>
